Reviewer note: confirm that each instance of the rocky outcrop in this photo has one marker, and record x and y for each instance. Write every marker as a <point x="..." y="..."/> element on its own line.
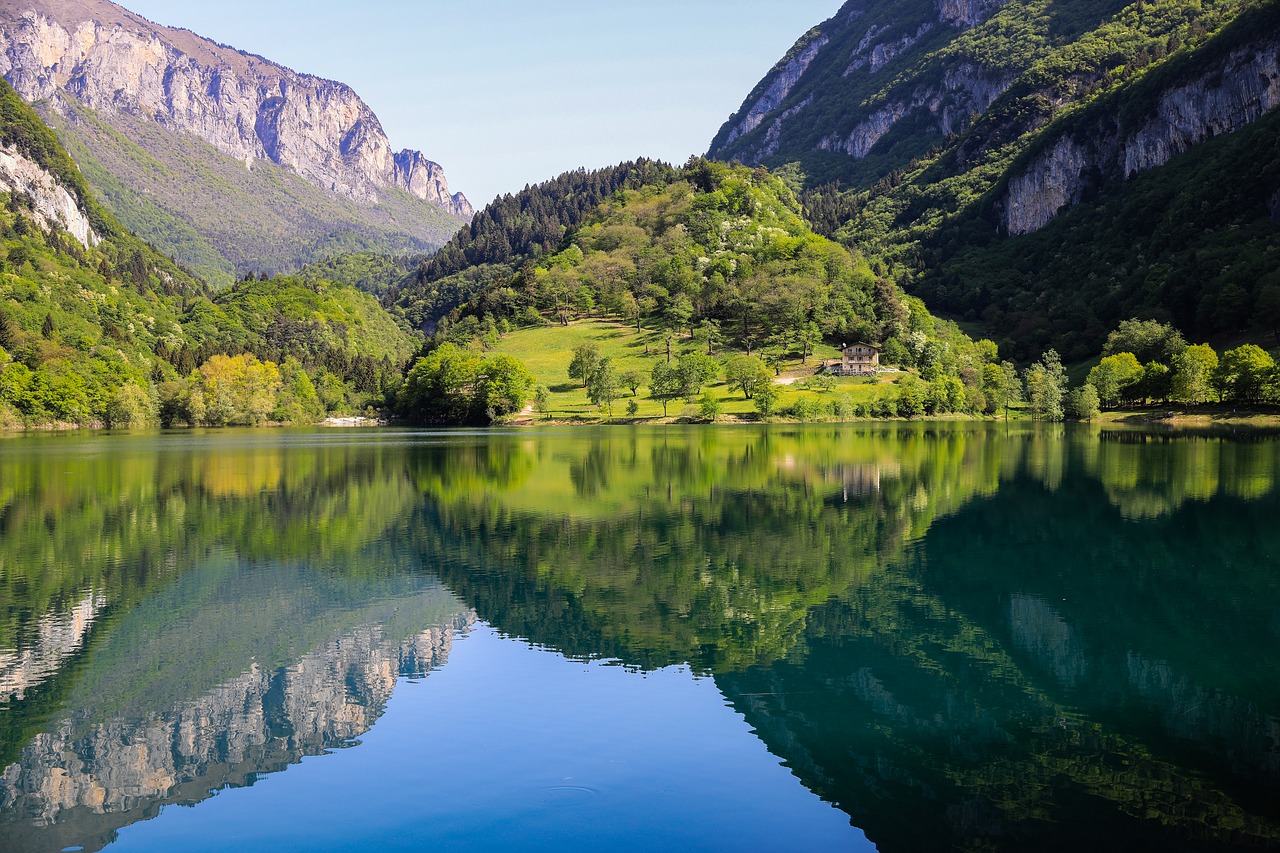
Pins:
<point x="425" y="179"/>
<point x="245" y="106"/>
<point x="51" y="206"/>
<point x="79" y="782"/>
<point x="1048" y="185"/>
<point x="967" y="13"/>
<point x="966" y="90"/>
<point x="785" y="79"/>
<point x="1228" y="97"/>
<point x="865" y="71"/>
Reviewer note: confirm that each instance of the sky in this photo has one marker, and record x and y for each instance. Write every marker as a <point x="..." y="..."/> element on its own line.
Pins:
<point x="504" y="93"/>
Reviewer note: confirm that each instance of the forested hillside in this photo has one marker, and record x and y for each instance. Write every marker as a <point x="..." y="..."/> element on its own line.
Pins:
<point x="1017" y="164"/>
<point x="97" y="328"/>
<point x="509" y="231"/>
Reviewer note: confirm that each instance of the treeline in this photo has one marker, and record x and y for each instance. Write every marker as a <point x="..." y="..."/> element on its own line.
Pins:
<point x="509" y="231"/>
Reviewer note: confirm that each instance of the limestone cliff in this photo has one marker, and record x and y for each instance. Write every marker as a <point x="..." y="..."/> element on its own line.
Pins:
<point x="852" y="81"/>
<point x="243" y="105"/>
<point x="51" y="206"/>
<point x="1225" y="97"/>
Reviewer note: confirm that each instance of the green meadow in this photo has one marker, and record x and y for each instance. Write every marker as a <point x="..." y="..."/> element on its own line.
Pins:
<point x="547" y="351"/>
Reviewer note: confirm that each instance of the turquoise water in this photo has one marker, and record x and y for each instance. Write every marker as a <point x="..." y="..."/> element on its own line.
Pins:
<point x="894" y="637"/>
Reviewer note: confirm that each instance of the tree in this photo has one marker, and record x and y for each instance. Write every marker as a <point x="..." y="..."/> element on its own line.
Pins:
<point x="503" y="386"/>
<point x="679" y="312"/>
<point x="766" y="399"/>
<point x="665" y="384"/>
<point x="1245" y="374"/>
<point x="585" y="360"/>
<point x="1001" y="386"/>
<point x="708" y="332"/>
<point x="8" y="332"/>
<point x="911" y="396"/>
<point x="602" y="386"/>
<point x="130" y="407"/>
<point x="695" y="369"/>
<point x="1193" y="372"/>
<point x="1155" y="383"/>
<point x="238" y="390"/>
<point x="48" y="328"/>
<point x="542" y="401"/>
<point x="632" y="379"/>
<point x="748" y="373"/>
<point x="709" y="407"/>
<point x="1113" y="376"/>
<point x="1082" y="403"/>
<point x="440" y="387"/>
<point x="1148" y="340"/>
<point x="1046" y="381"/>
<point x="808" y="336"/>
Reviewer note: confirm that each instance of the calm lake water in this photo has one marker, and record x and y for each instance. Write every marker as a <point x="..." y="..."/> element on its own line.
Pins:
<point x="893" y="637"/>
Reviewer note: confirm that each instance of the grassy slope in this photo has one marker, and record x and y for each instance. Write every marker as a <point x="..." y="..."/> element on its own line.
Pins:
<point x="219" y="217"/>
<point x="547" y="351"/>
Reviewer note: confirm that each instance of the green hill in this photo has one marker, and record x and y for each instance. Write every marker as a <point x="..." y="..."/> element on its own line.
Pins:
<point x="704" y="262"/>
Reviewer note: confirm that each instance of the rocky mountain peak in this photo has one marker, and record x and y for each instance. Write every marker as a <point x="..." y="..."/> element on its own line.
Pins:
<point x="112" y="60"/>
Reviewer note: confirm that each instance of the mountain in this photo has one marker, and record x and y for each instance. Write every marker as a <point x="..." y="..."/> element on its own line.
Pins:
<point x="1035" y="167"/>
<point x="250" y="165"/>
<point x="97" y="327"/>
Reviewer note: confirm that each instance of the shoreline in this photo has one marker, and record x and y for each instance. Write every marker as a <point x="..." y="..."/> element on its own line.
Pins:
<point x="1189" y="420"/>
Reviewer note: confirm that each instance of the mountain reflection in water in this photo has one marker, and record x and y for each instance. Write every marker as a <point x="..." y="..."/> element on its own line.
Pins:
<point x="960" y="635"/>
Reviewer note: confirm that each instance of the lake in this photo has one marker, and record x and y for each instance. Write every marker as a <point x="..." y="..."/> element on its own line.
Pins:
<point x="893" y="636"/>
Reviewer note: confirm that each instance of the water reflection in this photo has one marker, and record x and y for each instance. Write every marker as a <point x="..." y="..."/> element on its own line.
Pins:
<point x="961" y="635"/>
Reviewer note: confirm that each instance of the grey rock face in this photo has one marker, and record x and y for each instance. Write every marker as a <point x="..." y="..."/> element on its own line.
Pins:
<point x="51" y="205"/>
<point x="1227" y="98"/>
<point x="114" y="61"/>
<point x="868" y="52"/>
<point x="967" y="13"/>
<point x="965" y="90"/>
<point x="783" y="82"/>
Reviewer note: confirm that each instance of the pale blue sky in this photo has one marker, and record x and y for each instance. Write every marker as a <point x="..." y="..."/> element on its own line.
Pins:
<point x="504" y="93"/>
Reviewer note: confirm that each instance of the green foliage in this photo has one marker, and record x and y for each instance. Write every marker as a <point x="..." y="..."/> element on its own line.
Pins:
<point x="112" y="334"/>
<point x="509" y="231"/>
<point x="665" y="384"/>
<point x="602" y="385"/>
<point x="1083" y="404"/>
<point x="455" y="386"/>
<point x="586" y="359"/>
<point x="1246" y="374"/>
<point x="1046" y="383"/>
<point x="1114" y="376"/>
<point x="1193" y="372"/>
<point x="1192" y="242"/>
<point x="710" y="407"/>
<point x="748" y="373"/>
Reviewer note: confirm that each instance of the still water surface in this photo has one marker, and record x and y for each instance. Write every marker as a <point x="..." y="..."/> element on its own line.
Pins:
<point x="903" y="637"/>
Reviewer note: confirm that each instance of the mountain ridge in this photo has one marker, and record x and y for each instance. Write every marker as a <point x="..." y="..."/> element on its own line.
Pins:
<point x="112" y="59"/>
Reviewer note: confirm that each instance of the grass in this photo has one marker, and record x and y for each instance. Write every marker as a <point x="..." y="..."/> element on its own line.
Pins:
<point x="547" y="351"/>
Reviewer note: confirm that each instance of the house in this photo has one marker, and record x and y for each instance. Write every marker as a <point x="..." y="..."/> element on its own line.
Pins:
<point x="856" y="360"/>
